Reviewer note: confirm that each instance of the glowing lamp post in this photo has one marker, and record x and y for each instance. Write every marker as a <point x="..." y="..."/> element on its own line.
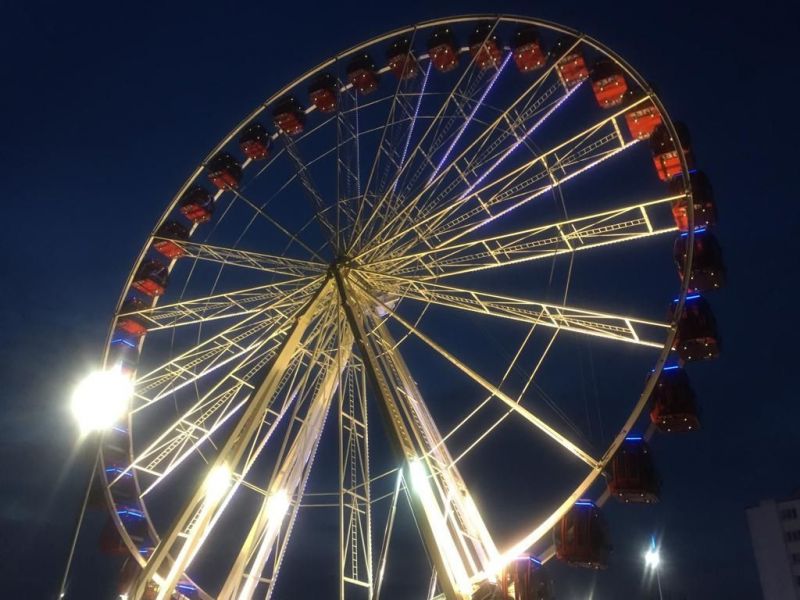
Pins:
<point x="101" y="399"/>
<point x="652" y="561"/>
<point x="98" y="401"/>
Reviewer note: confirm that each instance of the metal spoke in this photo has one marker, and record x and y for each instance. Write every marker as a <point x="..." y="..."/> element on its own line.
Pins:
<point x="380" y="239"/>
<point x="565" y="318"/>
<point x="546" y="162"/>
<point x="493" y="389"/>
<point x="278" y="265"/>
<point x="217" y="306"/>
<point x="620" y="225"/>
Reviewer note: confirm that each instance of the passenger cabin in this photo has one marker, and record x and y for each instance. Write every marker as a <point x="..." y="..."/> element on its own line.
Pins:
<point x="123" y="354"/>
<point x="705" y="208"/>
<point x="442" y="49"/>
<point x="402" y="63"/>
<point x="608" y="83"/>
<point x="197" y="204"/>
<point x="168" y="237"/>
<point x="527" y="47"/>
<point x="708" y="270"/>
<point x="132" y="518"/>
<point x="665" y="151"/>
<point x="124" y="486"/>
<point x="489" y="590"/>
<point x="673" y="408"/>
<point x="581" y="537"/>
<point x="632" y="474"/>
<point x="289" y="116"/>
<point x="254" y="142"/>
<point x="224" y="171"/>
<point x="697" y="337"/>
<point x="485" y="47"/>
<point x="571" y="66"/>
<point x="151" y="278"/>
<point x="525" y="578"/>
<point x="362" y="74"/>
<point x="643" y="118"/>
<point x="132" y="324"/>
<point x="323" y="93"/>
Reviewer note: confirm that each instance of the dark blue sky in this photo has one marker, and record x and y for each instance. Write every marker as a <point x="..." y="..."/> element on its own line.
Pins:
<point x="108" y="107"/>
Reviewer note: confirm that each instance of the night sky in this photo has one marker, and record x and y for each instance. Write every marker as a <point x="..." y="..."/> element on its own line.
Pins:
<point x="107" y="109"/>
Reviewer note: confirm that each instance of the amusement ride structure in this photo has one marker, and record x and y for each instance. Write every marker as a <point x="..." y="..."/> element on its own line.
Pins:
<point x="403" y="248"/>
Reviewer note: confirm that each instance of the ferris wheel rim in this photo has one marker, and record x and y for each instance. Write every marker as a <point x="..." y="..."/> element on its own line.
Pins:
<point x="662" y="359"/>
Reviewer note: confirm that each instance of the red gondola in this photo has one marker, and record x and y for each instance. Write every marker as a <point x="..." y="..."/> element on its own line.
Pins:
<point x="527" y="47"/>
<point x="289" y="116"/>
<point x="402" y="63"/>
<point x="633" y="476"/>
<point x="705" y="208"/>
<point x="123" y="353"/>
<point x="665" y="152"/>
<point x="643" y="118"/>
<point x="255" y="143"/>
<point x="696" y="338"/>
<point x="224" y="171"/>
<point x="526" y="579"/>
<point x="484" y="46"/>
<point x="442" y="49"/>
<point x="362" y="73"/>
<point x="608" y="83"/>
<point x="151" y="278"/>
<point x="708" y="270"/>
<point x="571" y="65"/>
<point x="673" y="406"/>
<point x="197" y="204"/>
<point x="172" y="232"/>
<point x="132" y="324"/>
<point x="581" y="537"/>
<point x="323" y="93"/>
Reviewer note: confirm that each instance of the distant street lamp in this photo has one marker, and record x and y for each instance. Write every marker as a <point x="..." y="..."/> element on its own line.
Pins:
<point x="652" y="561"/>
<point x="99" y="401"/>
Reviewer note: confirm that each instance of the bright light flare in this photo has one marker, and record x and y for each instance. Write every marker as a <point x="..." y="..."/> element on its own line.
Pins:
<point x="278" y="505"/>
<point x="652" y="558"/>
<point x="218" y="483"/>
<point x="101" y="399"/>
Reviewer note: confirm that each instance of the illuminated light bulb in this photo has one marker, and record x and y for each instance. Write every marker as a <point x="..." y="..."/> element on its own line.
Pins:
<point x="278" y="505"/>
<point x="218" y="482"/>
<point x="101" y="399"/>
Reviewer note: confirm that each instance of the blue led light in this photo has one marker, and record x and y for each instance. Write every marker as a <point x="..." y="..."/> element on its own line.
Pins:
<point x="125" y="341"/>
<point x="584" y="503"/>
<point x="634" y="438"/>
<point x="690" y="297"/>
<point x="671" y="368"/>
<point x="119" y="471"/>
<point x="185" y="587"/>
<point x="130" y="512"/>
<point x="536" y="561"/>
<point x="697" y="230"/>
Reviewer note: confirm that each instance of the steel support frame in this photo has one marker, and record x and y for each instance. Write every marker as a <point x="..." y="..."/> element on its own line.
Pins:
<point x="199" y="510"/>
<point x="415" y="448"/>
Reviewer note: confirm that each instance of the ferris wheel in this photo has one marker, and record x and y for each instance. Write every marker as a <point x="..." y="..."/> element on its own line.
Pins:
<point x="387" y="287"/>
